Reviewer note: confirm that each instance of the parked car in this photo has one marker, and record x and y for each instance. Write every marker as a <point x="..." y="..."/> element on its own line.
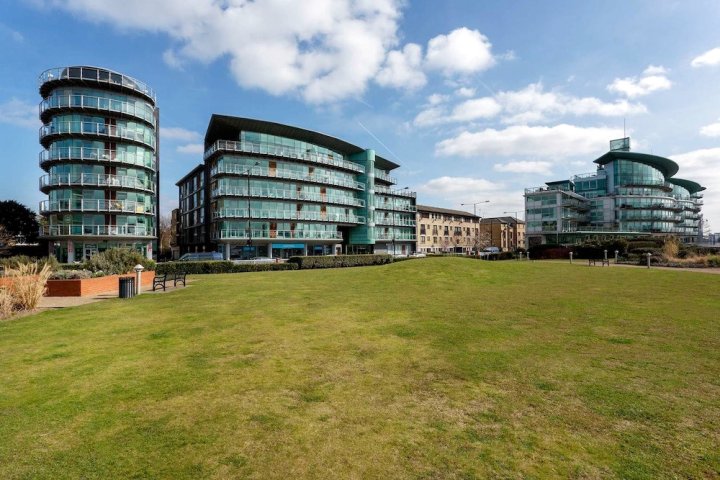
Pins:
<point x="417" y="255"/>
<point x="262" y="260"/>
<point x="201" y="256"/>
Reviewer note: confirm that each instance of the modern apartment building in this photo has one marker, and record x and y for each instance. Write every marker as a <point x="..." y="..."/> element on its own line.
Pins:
<point x="99" y="139"/>
<point x="267" y="189"/>
<point x="505" y="233"/>
<point x="629" y="194"/>
<point x="441" y="230"/>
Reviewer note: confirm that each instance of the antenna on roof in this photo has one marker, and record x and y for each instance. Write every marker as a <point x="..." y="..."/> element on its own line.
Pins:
<point x="624" y="135"/>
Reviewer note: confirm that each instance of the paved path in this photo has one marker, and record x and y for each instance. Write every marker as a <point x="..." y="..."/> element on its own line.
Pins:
<point x="581" y="262"/>
<point x="51" y="303"/>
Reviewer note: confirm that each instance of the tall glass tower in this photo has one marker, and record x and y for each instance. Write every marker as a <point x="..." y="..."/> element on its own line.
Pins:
<point x="100" y="155"/>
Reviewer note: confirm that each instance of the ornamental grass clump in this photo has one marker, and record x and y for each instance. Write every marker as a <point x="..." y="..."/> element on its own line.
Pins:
<point x="27" y="285"/>
<point x="6" y="303"/>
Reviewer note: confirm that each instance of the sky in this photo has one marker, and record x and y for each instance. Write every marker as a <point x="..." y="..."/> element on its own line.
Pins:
<point x="475" y="100"/>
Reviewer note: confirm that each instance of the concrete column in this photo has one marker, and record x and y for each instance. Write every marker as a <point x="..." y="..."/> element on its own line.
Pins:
<point x="227" y="251"/>
<point x="305" y="250"/>
<point x="270" y="250"/>
<point x="71" y="251"/>
<point x="149" y="251"/>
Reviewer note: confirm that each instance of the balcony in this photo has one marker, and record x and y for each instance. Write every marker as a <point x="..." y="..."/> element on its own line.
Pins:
<point x="89" y="154"/>
<point x="395" y="236"/>
<point x="385" y="177"/>
<point x="257" y="214"/>
<point x="576" y="205"/>
<point x="396" y="223"/>
<point x="379" y="189"/>
<point x="88" y="102"/>
<point x="53" y="231"/>
<point x="281" y="194"/>
<point x="288" y="175"/>
<point x="95" y="129"/>
<point x="100" y="180"/>
<point x="92" y="74"/>
<point x="273" y="235"/>
<point x="395" y="207"/>
<point x="276" y="151"/>
<point x="112" y="206"/>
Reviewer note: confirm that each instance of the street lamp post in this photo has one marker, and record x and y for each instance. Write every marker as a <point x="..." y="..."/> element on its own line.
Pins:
<point x="474" y="205"/>
<point x="249" y="222"/>
<point x="393" y="216"/>
<point x="515" y="232"/>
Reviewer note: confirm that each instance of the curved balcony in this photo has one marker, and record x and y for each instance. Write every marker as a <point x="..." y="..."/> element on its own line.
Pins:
<point x="86" y="205"/>
<point x="272" y="235"/>
<point x="93" y="75"/>
<point x="281" y="194"/>
<point x="95" y="103"/>
<point x="652" y="218"/>
<point x="654" y="206"/>
<point x="229" y="146"/>
<point x="112" y="231"/>
<point x="95" y="155"/>
<point x="645" y="183"/>
<point x="257" y="214"/>
<point x="95" y="129"/>
<point x="288" y="175"/>
<point x="101" y="180"/>
<point x="384" y="177"/>
<point x="395" y="236"/>
<point x="403" y="192"/>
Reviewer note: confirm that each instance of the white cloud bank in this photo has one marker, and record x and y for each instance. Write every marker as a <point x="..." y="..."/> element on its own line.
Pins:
<point x="711" y="130"/>
<point x="177" y="133"/>
<point x="19" y="113"/>
<point x="653" y="79"/>
<point x="538" y="167"/>
<point x="710" y="58"/>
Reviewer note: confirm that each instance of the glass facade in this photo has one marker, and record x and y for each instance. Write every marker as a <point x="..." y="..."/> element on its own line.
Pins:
<point x="99" y="140"/>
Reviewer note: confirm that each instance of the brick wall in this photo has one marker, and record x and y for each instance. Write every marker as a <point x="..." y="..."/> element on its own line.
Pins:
<point x="87" y="287"/>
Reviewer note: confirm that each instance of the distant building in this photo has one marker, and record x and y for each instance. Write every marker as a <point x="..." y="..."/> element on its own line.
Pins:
<point x="505" y="233"/>
<point x="630" y="194"/>
<point x="99" y="139"/>
<point x="267" y="189"/>
<point x="441" y="230"/>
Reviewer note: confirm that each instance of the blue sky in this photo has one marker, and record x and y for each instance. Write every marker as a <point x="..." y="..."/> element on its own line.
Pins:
<point x="476" y="100"/>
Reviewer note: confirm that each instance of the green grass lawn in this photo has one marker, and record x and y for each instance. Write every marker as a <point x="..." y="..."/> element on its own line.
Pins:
<point x="431" y="368"/>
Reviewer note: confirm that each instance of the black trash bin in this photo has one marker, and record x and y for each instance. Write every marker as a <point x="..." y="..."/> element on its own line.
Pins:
<point x="127" y="287"/>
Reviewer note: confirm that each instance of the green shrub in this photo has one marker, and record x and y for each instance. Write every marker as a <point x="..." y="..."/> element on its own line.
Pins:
<point x="71" y="274"/>
<point x="339" y="261"/>
<point x="219" y="266"/>
<point x="13" y="262"/>
<point x="115" y="261"/>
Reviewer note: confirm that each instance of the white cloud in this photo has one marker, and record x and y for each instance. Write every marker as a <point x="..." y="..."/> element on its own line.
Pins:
<point x="192" y="148"/>
<point x="711" y="130"/>
<point x="436" y="99"/>
<point x="14" y="35"/>
<point x="710" y="58"/>
<point x="322" y="50"/>
<point x="529" y="105"/>
<point x="653" y="79"/>
<point x="462" y="51"/>
<point x="177" y="133"/>
<point x="544" y="168"/>
<point x="465" y="92"/>
<point x="20" y="113"/>
<point x="559" y="141"/>
<point x="457" y="185"/>
<point x="402" y="68"/>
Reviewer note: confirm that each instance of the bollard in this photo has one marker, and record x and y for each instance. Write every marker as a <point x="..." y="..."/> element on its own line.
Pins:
<point x="138" y="277"/>
<point x="616" y="256"/>
<point x="648" y="259"/>
<point x="571" y="253"/>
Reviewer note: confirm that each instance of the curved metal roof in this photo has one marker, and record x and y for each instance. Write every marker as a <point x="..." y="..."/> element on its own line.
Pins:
<point x="225" y="127"/>
<point x="665" y="165"/>
<point x="689" y="185"/>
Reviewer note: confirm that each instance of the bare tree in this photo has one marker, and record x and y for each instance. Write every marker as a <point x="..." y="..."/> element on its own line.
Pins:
<point x="7" y="241"/>
<point x="481" y="240"/>
<point x="165" y="232"/>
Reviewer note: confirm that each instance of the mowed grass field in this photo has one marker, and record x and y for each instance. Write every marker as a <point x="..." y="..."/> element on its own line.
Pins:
<point x="431" y="368"/>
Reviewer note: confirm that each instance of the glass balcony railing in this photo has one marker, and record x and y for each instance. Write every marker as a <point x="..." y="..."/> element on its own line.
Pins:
<point x="397" y="236"/>
<point x="94" y="74"/>
<point x="395" y="207"/>
<point x="145" y="112"/>
<point x="385" y="177"/>
<point x="87" y="205"/>
<point x="97" y="231"/>
<point x="98" y="129"/>
<point x="382" y="190"/>
<point x="276" y="151"/>
<point x="95" y="180"/>
<point x="288" y="195"/>
<point x="396" y="222"/>
<point x="85" y="154"/>
<point x="289" y="175"/>
<point x="242" y="234"/>
<point x="258" y="214"/>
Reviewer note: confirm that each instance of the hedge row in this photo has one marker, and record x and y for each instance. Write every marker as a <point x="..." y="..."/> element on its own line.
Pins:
<point x="219" y="266"/>
<point x="338" y="261"/>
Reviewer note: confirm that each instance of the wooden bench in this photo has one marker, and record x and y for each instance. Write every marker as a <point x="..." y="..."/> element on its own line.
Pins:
<point x="592" y="261"/>
<point x="159" y="281"/>
<point x="179" y="277"/>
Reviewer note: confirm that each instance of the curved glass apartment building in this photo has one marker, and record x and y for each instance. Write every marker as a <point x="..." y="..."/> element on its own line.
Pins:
<point x="99" y="139"/>
<point x="267" y="189"/>
<point x="630" y="194"/>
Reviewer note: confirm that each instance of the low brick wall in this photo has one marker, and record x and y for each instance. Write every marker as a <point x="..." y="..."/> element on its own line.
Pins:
<point x="86" y="287"/>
